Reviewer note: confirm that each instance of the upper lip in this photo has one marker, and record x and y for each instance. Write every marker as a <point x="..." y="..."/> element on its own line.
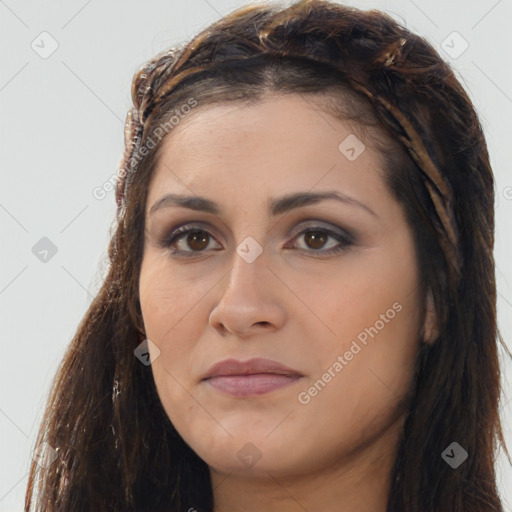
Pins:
<point x="252" y="366"/>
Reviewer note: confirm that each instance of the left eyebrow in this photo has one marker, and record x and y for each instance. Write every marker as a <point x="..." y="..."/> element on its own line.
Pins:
<point x="277" y="206"/>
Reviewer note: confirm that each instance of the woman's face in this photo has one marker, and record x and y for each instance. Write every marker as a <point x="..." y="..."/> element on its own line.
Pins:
<point x="327" y="288"/>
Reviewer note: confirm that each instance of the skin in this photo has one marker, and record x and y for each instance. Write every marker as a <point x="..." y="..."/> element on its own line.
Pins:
<point x="291" y="304"/>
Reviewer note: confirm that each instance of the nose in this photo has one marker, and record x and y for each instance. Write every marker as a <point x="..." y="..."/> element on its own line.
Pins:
<point x="250" y="300"/>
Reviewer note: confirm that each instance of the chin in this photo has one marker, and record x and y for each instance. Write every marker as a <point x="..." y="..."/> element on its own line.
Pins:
<point x="256" y="453"/>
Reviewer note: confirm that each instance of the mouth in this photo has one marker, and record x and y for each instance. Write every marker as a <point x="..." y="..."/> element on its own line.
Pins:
<point x="250" y="378"/>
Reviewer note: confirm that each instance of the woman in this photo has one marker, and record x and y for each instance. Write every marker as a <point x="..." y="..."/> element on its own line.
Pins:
<point x="300" y="312"/>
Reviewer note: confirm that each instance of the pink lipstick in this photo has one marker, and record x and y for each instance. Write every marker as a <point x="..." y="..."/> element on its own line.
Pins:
<point x="250" y="378"/>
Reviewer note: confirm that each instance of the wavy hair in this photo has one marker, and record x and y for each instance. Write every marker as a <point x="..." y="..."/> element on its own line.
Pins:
<point x="116" y="447"/>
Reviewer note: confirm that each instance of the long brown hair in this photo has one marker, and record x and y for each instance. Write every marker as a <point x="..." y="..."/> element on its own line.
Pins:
<point x="116" y="447"/>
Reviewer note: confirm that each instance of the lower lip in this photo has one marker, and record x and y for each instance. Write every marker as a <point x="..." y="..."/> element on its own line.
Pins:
<point x="251" y="385"/>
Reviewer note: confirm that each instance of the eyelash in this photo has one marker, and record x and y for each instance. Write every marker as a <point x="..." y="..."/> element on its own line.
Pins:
<point x="180" y="233"/>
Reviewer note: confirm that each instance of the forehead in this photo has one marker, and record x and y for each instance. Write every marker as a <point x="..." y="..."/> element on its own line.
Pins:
<point x="280" y="143"/>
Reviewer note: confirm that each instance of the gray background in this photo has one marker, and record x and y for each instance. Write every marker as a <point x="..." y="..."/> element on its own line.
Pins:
<point x="61" y="136"/>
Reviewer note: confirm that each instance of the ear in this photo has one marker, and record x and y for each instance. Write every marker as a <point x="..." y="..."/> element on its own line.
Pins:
<point x="430" y="330"/>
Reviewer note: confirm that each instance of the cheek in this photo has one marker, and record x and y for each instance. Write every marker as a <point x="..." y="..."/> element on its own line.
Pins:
<point x="364" y="357"/>
<point x="372" y="291"/>
<point x="167" y="306"/>
<point x="167" y="299"/>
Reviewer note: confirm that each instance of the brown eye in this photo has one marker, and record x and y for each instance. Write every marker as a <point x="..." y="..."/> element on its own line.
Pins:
<point x="315" y="239"/>
<point x="197" y="240"/>
<point x="193" y="241"/>
<point x="187" y="241"/>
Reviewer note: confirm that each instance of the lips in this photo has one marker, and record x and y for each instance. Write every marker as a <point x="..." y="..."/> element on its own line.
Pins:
<point x="253" y="377"/>
<point x="250" y="367"/>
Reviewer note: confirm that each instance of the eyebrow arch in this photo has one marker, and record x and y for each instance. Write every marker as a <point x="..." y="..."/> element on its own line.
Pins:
<point x="276" y="206"/>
